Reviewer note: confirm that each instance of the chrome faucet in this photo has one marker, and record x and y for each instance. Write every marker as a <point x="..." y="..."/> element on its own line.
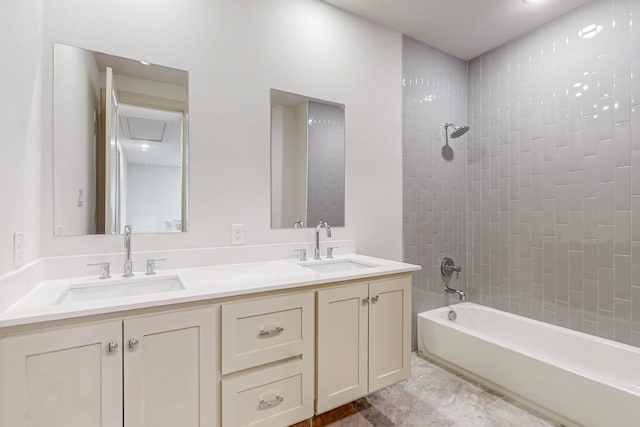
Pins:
<point x="321" y="224"/>
<point x="128" y="265"/>
<point x="448" y="267"/>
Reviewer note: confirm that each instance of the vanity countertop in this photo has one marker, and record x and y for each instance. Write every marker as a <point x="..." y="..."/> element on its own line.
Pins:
<point x="202" y="283"/>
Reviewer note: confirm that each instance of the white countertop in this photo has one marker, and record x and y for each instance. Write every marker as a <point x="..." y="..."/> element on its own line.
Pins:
<point x="203" y="283"/>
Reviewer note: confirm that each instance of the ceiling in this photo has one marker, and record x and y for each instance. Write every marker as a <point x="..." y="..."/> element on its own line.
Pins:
<point x="464" y="28"/>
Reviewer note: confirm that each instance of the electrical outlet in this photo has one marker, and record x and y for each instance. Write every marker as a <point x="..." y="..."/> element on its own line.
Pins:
<point x="237" y="234"/>
<point x="18" y="249"/>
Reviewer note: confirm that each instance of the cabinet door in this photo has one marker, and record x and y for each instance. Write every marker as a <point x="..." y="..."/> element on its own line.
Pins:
<point x="62" y="378"/>
<point x="389" y="332"/>
<point x="169" y="371"/>
<point x="342" y="346"/>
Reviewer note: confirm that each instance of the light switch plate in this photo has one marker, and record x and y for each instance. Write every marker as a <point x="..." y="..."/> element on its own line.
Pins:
<point x="237" y="234"/>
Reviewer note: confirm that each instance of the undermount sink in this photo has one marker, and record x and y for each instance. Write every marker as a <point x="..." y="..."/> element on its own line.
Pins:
<point x="118" y="289"/>
<point x="335" y="266"/>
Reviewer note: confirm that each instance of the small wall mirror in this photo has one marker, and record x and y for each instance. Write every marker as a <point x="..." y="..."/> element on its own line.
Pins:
<point x="120" y="144"/>
<point x="307" y="161"/>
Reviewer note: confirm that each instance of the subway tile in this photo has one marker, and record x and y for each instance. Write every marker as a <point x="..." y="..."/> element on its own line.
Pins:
<point x="605" y="324"/>
<point x="576" y="227"/>
<point x="635" y="263"/>
<point x="575" y="310"/>
<point x="635" y="82"/>
<point x="605" y="74"/>
<point x="635" y="126"/>
<point x="562" y="313"/>
<point x="622" y="144"/>
<point x="605" y="161"/>
<point x="562" y="204"/>
<point x="549" y="217"/>
<point x="621" y="55"/>
<point x="549" y="293"/>
<point x="622" y="277"/>
<point x="605" y="288"/>
<point x="622" y="233"/>
<point x="575" y="150"/>
<point x="622" y="321"/>
<point x="605" y="246"/>
<point x="590" y="259"/>
<point x="590" y="300"/>
<point x="576" y="190"/>
<point x="590" y="327"/>
<point x="622" y="188"/>
<point x="605" y="203"/>
<point x="590" y="217"/>
<point x="635" y="173"/>
<point x="635" y="308"/>
<point x="635" y="219"/>
<point x="622" y="100"/>
<point x="590" y="176"/>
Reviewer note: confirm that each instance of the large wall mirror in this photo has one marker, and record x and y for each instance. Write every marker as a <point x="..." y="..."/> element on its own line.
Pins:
<point x="307" y="161"/>
<point x="120" y="144"/>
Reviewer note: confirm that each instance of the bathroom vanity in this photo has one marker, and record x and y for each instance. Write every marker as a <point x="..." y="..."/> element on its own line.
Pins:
<point x="246" y="344"/>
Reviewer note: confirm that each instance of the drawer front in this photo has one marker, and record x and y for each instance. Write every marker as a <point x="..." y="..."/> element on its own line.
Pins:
<point x="276" y="396"/>
<point x="266" y="330"/>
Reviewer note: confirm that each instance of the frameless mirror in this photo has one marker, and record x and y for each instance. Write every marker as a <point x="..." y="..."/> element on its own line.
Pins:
<point x="307" y="161"/>
<point x="120" y="144"/>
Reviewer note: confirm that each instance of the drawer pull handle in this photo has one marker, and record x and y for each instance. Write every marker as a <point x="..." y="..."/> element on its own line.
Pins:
<point x="266" y="404"/>
<point x="271" y="332"/>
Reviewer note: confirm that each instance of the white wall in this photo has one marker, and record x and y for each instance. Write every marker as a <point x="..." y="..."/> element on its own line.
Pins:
<point x="20" y="121"/>
<point x="235" y="51"/>
<point x="77" y="106"/>
<point x="153" y="194"/>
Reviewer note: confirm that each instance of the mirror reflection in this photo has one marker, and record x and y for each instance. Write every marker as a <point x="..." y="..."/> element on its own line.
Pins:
<point x="307" y="161"/>
<point x="120" y="144"/>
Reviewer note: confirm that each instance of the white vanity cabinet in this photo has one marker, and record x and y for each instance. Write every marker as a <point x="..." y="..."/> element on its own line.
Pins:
<point x="364" y="339"/>
<point x="76" y="376"/>
<point x="268" y="360"/>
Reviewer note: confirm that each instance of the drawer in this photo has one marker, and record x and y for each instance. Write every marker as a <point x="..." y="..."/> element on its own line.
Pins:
<point x="276" y="396"/>
<point x="266" y="330"/>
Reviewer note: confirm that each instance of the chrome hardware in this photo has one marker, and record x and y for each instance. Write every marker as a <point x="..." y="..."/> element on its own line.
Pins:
<point x="151" y="266"/>
<point x="112" y="347"/>
<point x="330" y="251"/>
<point x="133" y="343"/>
<point x="104" y="269"/>
<point x="298" y="224"/>
<point x="266" y="404"/>
<point x="365" y="300"/>
<point x="375" y="298"/>
<point x="128" y="265"/>
<point x="270" y="332"/>
<point x="321" y="224"/>
<point x="452" y="315"/>
<point x="448" y="266"/>
<point x="302" y="254"/>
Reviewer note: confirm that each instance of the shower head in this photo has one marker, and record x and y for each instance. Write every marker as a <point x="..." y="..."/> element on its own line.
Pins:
<point x="458" y="131"/>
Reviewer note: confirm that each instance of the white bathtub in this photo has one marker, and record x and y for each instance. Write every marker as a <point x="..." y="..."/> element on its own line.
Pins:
<point x="574" y="377"/>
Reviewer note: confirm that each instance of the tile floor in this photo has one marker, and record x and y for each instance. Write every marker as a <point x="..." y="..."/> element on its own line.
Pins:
<point x="434" y="397"/>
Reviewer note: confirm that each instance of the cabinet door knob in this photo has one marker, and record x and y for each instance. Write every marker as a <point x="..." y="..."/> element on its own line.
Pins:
<point x="133" y="343"/>
<point x="375" y="298"/>
<point x="266" y="404"/>
<point x="365" y="300"/>
<point x="112" y="347"/>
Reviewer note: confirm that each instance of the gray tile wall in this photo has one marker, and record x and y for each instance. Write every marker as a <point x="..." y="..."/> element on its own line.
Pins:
<point x="434" y="92"/>
<point x="553" y="173"/>
<point x="325" y="197"/>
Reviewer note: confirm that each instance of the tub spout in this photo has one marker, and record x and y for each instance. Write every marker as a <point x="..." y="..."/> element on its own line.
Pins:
<point x="461" y="295"/>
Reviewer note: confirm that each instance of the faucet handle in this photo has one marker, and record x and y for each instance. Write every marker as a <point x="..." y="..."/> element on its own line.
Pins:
<point x="104" y="269"/>
<point x="302" y="253"/>
<point x="151" y="265"/>
<point x="330" y="251"/>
